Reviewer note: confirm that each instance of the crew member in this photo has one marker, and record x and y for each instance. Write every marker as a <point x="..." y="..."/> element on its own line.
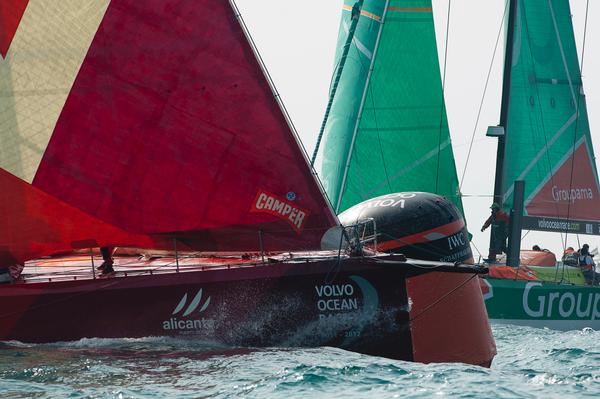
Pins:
<point x="587" y="266"/>
<point x="570" y="257"/>
<point x="107" y="264"/>
<point x="12" y="273"/>
<point x="498" y="219"/>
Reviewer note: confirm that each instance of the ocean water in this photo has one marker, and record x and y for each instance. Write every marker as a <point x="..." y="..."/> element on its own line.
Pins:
<point x="531" y="363"/>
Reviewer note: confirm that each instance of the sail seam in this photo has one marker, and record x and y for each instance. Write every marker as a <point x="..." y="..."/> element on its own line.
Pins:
<point x="577" y="123"/>
<point x="413" y="165"/>
<point x="364" y="13"/>
<point x="562" y="56"/>
<point x="443" y="105"/>
<point x="385" y="169"/>
<point x="487" y="80"/>
<point x="553" y="171"/>
<point x="531" y="164"/>
<point x="541" y="117"/>
<point x="410" y="9"/>
<point x="361" y="47"/>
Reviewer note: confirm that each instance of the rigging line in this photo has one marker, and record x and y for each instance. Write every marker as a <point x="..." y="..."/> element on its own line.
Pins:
<point x="320" y="136"/>
<point x="429" y="155"/>
<point x="360" y="108"/>
<point x="370" y="90"/>
<point x="282" y="106"/>
<point x="487" y="80"/>
<point x="587" y="5"/>
<point x="575" y="116"/>
<point x="546" y="146"/>
<point x="354" y="18"/>
<point x="477" y="249"/>
<point x="387" y="178"/>
<point x="541" y="153"/>
<point x="446" y="295"/>
<point x="557" y="33"/>
<point x="442" y="107"/>
<point x="409" y="245"/>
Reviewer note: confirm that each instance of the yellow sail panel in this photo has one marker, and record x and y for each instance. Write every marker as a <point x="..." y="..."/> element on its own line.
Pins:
<point x="37" y="73"/>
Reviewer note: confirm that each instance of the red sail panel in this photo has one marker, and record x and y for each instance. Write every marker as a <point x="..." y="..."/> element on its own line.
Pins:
<point x="11" y="12"/>
<point x="35" y="224"/>
<point x="171" y="128"/>
<point x="571" y="192"/>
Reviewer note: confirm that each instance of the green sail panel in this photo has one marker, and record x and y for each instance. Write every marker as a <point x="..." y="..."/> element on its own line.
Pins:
<point x="548" y="143"/>
<point x="334" y="151"/>
<point x="387" y="131"/>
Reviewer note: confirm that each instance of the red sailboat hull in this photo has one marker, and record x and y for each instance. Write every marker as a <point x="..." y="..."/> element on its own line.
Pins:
<point x="384" y="308"/>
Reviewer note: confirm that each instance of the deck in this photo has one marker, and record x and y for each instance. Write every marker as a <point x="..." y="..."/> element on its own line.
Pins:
<point x="80" y="266"/>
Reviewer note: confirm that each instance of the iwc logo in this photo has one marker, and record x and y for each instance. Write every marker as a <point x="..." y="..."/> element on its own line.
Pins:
<point x="186" y="322"/>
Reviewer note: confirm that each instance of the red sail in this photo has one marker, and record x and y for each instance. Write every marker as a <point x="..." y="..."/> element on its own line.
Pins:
<point x="35" y="224"/>
<point x="171" y="128"/>
<point x="571" y="192"/>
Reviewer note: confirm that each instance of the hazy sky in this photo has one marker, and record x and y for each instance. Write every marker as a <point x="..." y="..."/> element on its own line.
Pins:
<point x="297" y="43"/>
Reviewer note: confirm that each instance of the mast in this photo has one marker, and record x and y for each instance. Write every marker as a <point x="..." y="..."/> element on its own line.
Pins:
<point x="508" y="57"/>
<point x="516" y="225"/>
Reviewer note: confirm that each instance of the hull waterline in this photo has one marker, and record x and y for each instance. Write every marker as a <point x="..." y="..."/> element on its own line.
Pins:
<point x="382" y="308"/>
<point x="542" y="304"/>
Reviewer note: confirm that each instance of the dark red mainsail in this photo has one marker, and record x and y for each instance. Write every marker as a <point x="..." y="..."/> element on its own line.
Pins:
<point x="154" y="140"/>
<point x="35" y="223"/>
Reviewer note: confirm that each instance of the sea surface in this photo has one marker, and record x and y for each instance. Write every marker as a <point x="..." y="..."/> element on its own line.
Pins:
<point x="531" y="363"/>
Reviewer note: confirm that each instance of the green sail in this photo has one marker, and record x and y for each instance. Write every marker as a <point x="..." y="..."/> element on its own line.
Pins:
<point x="387" y="130"/>
<point x="548" y="143"/>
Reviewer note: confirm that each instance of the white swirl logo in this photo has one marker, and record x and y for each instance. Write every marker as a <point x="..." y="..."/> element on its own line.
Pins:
<point x="187" y="324"/>
<point x="193" y="305"/>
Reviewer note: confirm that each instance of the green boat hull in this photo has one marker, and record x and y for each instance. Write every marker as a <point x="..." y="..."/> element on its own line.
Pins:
<point x="542" y="304"/>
